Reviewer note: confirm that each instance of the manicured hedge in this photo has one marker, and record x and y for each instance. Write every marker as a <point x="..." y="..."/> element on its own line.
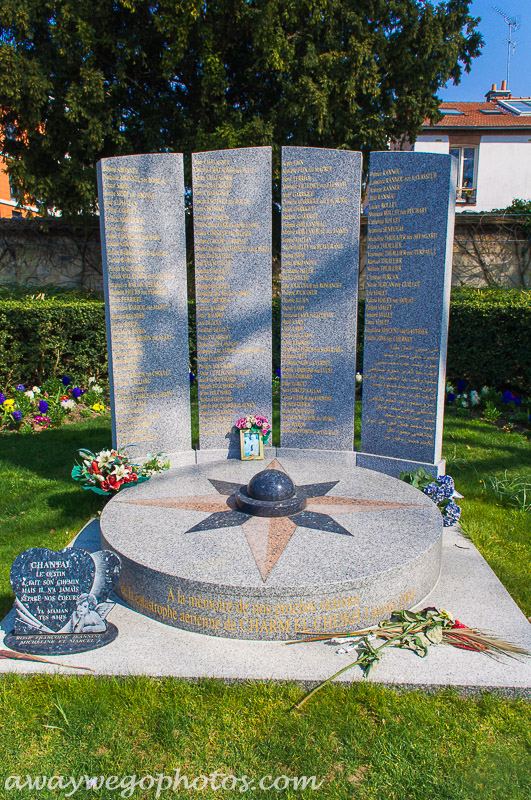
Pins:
<point x="50" y="333"/>
<point x="489" y="341"/>
<point x="490" y="338"/>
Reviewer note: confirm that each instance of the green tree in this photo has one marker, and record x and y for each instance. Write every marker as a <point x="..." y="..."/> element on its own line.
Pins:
<point x="85" y="79"/>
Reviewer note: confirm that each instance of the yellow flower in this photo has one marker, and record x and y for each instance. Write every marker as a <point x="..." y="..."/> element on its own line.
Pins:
<point x="9" y="405"/>
<point x="98" y="407"/>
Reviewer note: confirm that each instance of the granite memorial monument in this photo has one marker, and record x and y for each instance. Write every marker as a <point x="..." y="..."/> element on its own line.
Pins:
<point x="62" y="600"/>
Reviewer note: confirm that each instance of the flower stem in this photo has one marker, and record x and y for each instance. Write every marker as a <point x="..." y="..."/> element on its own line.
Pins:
<point x="341" y="671"/>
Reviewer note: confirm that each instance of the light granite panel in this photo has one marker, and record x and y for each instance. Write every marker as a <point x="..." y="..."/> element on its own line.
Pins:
<point x="411" y="221"/>
<point x="320" y="245"/>
<point x="144" y="263"/>
<point x="232" y="237"/>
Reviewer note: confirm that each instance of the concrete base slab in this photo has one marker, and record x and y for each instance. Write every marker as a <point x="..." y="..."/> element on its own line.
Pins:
<point x="344" y="457"/>
<point x="468" y="589"/>
<point x="394" y="466"/>
<point x="209" y="455"/>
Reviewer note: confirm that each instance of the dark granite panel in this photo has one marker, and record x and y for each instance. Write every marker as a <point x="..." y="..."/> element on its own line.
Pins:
<point x="409" y="256"/>
<point x="62" y="600"/>
<point x="318" y="489"/>
<point x="61" y="644"/>
<point x="320" y="243"/>
<point x="47" y="585"/>
<point x="220" y="519"/>
<point x="320" y="522"/>
<point x="144" y="263"/>
<point x="232" y="235"/>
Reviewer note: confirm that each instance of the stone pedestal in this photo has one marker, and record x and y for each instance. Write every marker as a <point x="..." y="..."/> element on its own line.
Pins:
<point x="192" y="557"/>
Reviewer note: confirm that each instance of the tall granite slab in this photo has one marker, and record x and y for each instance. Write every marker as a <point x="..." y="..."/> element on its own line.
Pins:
<point x="409" y="258"/>
<point x="320" y="246"/>
<point x="144" y="263"/>
<point x="232" y="242"/>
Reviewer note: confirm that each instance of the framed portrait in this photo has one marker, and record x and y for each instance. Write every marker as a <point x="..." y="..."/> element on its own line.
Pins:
<point x="251" y="445"/>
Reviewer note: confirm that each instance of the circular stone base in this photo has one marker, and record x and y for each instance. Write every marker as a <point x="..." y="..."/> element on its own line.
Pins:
<point x="60" y="644"/>
<point x="365" y="544"/>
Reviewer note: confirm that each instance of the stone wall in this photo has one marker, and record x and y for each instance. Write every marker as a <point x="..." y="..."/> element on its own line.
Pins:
<point x="36" y="252"/>
<point x="489" y="249"/>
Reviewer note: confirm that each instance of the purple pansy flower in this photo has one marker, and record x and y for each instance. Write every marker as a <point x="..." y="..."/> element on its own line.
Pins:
<point x="2" y="397"/>
<point x="507" y="397"/>
<point x="76" y="392"/>
<point x="17" y="416"/>
<point x="20" y="388"/>
<point x="43" y="406"/>
<point x="66" y="380"/>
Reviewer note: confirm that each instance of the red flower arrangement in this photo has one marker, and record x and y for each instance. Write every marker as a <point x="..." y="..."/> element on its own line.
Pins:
<point x="106" y="472"/>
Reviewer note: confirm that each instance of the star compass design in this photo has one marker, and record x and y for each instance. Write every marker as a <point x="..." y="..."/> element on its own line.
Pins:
<point x="270" y="509"/>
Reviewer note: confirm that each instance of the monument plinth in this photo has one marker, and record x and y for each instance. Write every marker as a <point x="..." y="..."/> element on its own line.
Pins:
<point x="314" y="542"/>
<point x="364" y="545"/>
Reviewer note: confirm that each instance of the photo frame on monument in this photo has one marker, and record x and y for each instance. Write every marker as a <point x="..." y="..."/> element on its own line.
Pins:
<point x="251" y="445"/>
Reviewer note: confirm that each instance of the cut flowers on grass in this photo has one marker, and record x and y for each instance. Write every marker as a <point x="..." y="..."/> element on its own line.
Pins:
<point x="108" y="471"/>
<point x="414" y="631"/>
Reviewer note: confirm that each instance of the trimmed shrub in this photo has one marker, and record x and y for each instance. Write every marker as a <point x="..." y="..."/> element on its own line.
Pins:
<point x="49" y="333"/>
<point x="490" y="338"/>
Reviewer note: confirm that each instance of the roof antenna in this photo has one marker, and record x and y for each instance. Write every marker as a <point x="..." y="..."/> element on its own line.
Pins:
<point x="514" y="24"/>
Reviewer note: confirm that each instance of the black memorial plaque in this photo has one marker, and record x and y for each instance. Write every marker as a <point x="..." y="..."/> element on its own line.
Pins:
<point x="61" y="600"/>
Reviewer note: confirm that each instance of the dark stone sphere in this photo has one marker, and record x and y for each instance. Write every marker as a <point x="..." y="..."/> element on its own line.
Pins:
<point x="271" y="484"/>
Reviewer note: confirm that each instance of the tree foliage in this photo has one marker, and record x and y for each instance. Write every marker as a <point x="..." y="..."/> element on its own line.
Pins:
<point x="85" y="79"/>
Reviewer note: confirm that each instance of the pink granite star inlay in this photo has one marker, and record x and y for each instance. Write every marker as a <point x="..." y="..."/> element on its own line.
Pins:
<point x="268" y="537"/>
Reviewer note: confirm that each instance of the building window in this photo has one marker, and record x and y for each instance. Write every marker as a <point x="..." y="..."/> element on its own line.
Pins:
<point x="466" y="173"/>
<point x="520" y="107"/>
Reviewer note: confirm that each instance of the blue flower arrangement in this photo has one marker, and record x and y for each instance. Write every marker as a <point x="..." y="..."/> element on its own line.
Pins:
<point x="441" y="491"/>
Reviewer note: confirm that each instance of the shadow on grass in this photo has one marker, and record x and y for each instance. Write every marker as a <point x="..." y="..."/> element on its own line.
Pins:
<point x="53" y="453"/>
<point x="6" y="602"/>
<point x="493" y="450"/>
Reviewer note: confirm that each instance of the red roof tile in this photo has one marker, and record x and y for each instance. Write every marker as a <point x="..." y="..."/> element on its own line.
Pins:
<point x="472" y="116"/>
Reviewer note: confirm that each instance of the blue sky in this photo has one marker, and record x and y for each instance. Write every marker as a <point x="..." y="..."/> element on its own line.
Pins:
<point x="491" y="66"/>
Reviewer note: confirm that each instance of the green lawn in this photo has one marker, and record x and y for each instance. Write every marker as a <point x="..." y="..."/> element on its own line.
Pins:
<point x="362" y="741"/>
<point x="501" y="530"/>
